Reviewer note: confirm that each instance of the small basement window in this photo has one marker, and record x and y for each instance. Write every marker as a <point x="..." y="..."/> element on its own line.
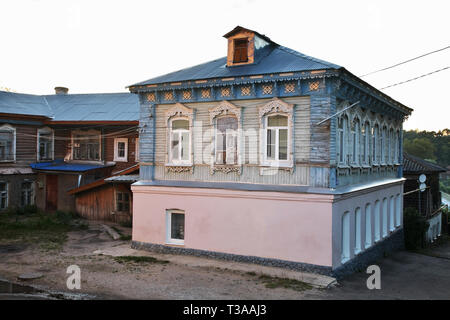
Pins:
<point x="240" y="50"/>
<point x="123" y="202"/>
<point x="175" y="226"/>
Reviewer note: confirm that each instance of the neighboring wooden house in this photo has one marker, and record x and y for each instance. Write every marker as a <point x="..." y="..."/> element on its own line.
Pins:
<point x="108" y="199"/>
<point x="271" y="156"/>
<point x="21" y="116"/>
<point x="427" y="201"/>
<point x="79" y="139"/>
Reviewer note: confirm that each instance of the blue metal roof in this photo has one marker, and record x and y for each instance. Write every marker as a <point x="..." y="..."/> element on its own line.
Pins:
<point x="60" y="165"/>
<point x="24" y="104"/>
<point x="73" y="107"/>
<point x="94" y="107"/>
<point x="279" y="60"/>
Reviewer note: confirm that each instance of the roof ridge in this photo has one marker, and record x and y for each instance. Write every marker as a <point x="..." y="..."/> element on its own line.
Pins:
<point x="302" y="55"/>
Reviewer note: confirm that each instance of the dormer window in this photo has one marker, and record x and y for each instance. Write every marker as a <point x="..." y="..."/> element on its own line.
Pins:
<point x="240" y="50"/>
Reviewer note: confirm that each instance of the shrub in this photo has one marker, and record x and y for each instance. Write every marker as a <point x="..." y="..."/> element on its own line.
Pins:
<point x="415" y="226"/>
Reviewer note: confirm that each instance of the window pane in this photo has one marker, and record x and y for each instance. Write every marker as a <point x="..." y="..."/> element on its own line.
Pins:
<point x="283" y="144"/>
<point x="177" y="226"/>
<point x="271" y="144"/>
<point x="175" y="146"/>
<point x="121" y="149"/>
<point x="180" y="124"/>
<point x="220" y="148"/>
<point x="6" y="139"/>
<point x="277" y="121"/>
<point x="226" y="123"/>
<point x="231" y="144"/>
<point x="185" y="146"/>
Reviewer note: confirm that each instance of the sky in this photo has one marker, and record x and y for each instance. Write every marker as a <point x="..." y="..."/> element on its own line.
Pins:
<point x="103" y="46"/>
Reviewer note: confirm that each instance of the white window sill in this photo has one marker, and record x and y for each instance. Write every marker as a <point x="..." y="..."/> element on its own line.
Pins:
<point x="120" y="159"/>
<point x="174" y="242"/>
<point x="179" y="164"/>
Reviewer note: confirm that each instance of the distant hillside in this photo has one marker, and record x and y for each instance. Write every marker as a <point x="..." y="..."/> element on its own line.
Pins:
<point x="429" y="145"/>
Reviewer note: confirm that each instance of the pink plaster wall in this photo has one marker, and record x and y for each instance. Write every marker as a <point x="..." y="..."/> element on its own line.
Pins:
<point x="294" y="227"/>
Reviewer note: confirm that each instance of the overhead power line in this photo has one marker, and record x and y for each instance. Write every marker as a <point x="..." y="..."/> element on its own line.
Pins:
<point x="406" y="61"/>
<point x="409" y="80"/>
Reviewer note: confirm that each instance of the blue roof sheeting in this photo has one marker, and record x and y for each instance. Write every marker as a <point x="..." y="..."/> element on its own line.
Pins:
<point x="24" y="104"/>
<point x="60" y="165"/>
<point x="94" y="107"/>
<point x="279" y="60"/>
<point x="73" y="107"/>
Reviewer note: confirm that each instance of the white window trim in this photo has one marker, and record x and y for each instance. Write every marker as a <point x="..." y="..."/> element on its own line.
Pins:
<point x="116" y="149"/>
<point x="52" y="133"/>
<point x="7" y="127"/>
<point x="225" y="109"/>
<point x="276" y="107"/>
<point x="178" y="112"/>
<point x="344" y="146"/>
<point x="173" y="161"/>
<point x="136" y="150"/>
<point x="169" y="239"/>
<point x="86" y="132"/>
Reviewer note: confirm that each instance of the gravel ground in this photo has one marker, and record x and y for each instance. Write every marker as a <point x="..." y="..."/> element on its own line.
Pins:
<point x="404" y="275"/>
<point x="105" y="278"/>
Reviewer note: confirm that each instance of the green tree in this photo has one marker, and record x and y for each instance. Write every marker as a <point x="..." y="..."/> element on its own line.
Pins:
<point x="420" y="147"/>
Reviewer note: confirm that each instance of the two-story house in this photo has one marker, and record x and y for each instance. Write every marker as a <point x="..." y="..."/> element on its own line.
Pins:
<point x="270" y="156"/>
<point x="69" y="142"/>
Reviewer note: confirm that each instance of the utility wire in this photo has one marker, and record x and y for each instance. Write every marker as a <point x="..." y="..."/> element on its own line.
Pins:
<point x="403" y="62"/>
<point x="409" y="80"/>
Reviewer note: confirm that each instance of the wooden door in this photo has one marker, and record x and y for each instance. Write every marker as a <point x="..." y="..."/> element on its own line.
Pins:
<point x="51" y="201"/>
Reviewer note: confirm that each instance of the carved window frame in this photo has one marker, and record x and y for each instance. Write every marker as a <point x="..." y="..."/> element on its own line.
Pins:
<point x="179" y="112"/>
<point x="12" y="130"/>
<point x="225" y="109"/>
<point x="276" y="107"/>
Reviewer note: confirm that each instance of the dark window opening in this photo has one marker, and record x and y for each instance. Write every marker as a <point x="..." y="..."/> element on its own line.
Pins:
<point x="240" y="50"/>
<point x="123" y="202"/>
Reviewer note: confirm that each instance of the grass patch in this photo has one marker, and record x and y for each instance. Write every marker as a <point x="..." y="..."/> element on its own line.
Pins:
<point x="29" y="225"/>
<point x="274" y="282"/>
<point x="139" y="259"/>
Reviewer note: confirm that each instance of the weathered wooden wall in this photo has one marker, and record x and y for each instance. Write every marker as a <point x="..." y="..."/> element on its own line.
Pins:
<point x="99" y="203"/>
<point x="250" y="123"/>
